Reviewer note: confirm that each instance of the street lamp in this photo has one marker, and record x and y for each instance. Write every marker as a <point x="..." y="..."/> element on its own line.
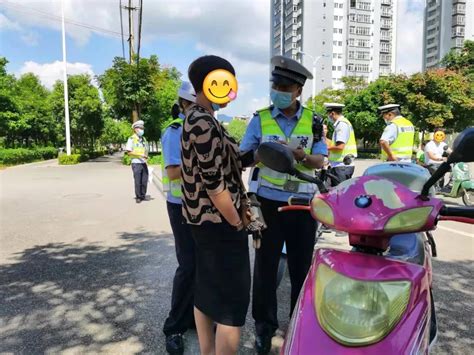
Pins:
<point x="315" y="62"/>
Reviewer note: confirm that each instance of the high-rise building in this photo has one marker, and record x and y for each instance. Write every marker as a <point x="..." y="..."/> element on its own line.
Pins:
<point x="448" y="23"/>
<point x="337" y="37"/>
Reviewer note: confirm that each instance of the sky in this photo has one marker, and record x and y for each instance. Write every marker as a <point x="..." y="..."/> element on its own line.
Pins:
<point x="178" y="31"/>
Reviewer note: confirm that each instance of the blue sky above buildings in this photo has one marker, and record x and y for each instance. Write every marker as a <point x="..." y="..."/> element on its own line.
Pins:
<point x="177" y="32"/>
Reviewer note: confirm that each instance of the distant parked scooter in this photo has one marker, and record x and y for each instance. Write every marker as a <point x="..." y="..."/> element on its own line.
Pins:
<point x="460" y="184"/>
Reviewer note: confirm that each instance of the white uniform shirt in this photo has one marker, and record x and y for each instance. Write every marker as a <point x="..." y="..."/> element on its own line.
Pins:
<point x="435" y="148"/>
<point x="342" y="132"/>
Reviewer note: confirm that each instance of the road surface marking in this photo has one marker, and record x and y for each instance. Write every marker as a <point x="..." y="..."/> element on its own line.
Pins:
<point x="466" y="234"/>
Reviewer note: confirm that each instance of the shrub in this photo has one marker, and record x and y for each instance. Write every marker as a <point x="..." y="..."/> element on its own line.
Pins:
<point x="23" y="155"/>
<point x="126" y="160"/>
<point x="72" y="159"/>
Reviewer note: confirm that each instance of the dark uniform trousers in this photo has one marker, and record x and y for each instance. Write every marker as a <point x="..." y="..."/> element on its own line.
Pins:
<point x="140" y="175"/>
<point x="297" y="229"/>
<point x="181" y="316"/>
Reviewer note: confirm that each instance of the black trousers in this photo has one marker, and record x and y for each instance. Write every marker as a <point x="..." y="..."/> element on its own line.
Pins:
<point x="181" y="316"/>
<point x="297" y="229"/>
<point x="140" y="175"/>
<point x="342" y="172"/>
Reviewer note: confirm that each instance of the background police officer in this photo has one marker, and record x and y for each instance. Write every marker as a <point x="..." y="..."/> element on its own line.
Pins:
<point x="288" y="122"/>
<point x="181" y="315"/>
<point x="137" y="149"/>
<point x="397" y="138"/>
<point x="344" y="146"/>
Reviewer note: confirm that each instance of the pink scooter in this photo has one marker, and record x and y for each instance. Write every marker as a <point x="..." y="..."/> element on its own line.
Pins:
<point x="376" y="298"/>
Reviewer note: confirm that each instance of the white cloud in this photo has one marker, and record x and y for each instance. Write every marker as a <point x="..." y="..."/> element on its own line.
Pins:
<point x="50" y="72"/>
<point x="410" y="36"/>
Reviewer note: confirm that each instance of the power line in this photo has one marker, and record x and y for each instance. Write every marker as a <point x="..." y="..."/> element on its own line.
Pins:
<point x="20" y="8"/>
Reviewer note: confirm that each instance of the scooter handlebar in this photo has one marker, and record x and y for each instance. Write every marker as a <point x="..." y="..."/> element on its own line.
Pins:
<point x="450" y="211"/>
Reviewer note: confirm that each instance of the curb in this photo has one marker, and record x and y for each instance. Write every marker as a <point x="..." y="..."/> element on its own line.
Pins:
<point x="41" y="162"/>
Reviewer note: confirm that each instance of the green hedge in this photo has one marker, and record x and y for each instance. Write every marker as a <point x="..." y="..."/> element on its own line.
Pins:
<point x="72" y="159"/>
<point x="23" y="155"/>
<point x="79" y="157"/>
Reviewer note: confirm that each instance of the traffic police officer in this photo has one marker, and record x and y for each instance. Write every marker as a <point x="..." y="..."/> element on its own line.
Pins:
<point x="181" y="315"/>
<point x="344" y="148"/>
<point x="286" y="121"/>
<point x="137" y="149"/>
<point x="397" y="138"/>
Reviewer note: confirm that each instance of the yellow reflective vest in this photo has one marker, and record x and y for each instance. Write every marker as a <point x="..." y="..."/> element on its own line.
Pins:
<point x="349" y="148"/>
<point x="402" y="146"/>
<point x="302" y="135"/>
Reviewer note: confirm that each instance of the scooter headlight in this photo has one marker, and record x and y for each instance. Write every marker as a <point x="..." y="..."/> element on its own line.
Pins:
<point x="357" y="313"/>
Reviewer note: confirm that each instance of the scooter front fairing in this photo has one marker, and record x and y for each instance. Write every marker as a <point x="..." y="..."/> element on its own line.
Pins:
<point x="355" y="303"/>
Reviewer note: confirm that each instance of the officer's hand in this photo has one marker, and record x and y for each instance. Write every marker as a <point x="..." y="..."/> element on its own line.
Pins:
<point x="298" y="154"/>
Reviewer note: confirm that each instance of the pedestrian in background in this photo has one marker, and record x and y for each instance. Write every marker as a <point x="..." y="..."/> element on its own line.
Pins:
<point x="137" y="149"/>
<point x="397" y="139"/>
<point x="181" y="315"/>
<point x="211" y="201"/>
<point x="343" y="149"/>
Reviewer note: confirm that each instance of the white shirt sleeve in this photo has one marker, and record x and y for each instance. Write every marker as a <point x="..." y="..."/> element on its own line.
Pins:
<point x="390" y="133"/>
<point x="129" y="146"/>
<point x="341" y="133"/>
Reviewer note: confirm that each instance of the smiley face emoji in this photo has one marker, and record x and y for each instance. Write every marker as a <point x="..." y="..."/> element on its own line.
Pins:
<point x="439" y="136"/>
<point x="220" y="86"/>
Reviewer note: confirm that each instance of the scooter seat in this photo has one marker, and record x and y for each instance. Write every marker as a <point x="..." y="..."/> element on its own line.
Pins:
<point x="407" y="247"/>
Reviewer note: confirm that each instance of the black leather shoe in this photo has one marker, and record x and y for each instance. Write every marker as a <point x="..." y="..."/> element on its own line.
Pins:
<point x="175" y="344"/>
<point x="138" y="200"/>
<point x="263" y="344"/>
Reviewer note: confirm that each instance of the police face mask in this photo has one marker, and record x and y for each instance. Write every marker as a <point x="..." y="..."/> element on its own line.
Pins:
<point x="281" y="99"/>
<point x="140" y="132"/>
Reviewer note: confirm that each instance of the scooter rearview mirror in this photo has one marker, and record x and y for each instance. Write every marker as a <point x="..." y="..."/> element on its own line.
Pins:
<point x="277" y="157"/>
<point x="463" y="147"/>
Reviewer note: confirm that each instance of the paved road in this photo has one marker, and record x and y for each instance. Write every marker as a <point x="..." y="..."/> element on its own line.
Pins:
<point x="83" y="269"/>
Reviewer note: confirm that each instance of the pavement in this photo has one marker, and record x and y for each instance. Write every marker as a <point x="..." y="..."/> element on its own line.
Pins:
<point x="84" y="269"/>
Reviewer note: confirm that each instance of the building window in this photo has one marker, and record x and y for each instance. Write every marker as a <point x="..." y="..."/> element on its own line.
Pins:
<point x="431" y="22"/>
<point x="365" y="31"/>
<point x="458" y="31"/>
<point x="339" y="68"/>
<point x="363" y="43"/>
<point x="384" y="47"/>
<point x="333" y="67"/>
<point x="430" y="41"/>
<point x="334" y="43"/>
<point x="430" y="32"/>
<point x="363" y="18"/>
<point x="351" y="42"/>
<point x="363" y="5"/>
<point x="387" y="23"/>
<point x="353" y="4"/>
<point x="362" y="55"/>
<point x="339" y="43"/>
<point x="352" y="29"/>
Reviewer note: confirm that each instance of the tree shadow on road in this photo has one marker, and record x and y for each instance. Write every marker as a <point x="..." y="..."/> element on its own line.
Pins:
<point x="87" y="298"/>
<point x="453" y="293"/>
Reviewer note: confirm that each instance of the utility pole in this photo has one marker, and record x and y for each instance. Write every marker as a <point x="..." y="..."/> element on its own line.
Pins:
<point x="66" y="95"/>
<point x="131" y="53"/>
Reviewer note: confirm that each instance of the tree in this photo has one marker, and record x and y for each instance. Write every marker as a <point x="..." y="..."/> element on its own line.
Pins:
<point x="129" y="86"/>
<point x="115" y="132"/>
<point x="236" y="129"/>
<point x="9" y="110"/>
<point x="38" y="125"/>
<point x="361" y="110"/>
<point x="436" y="98"/>
<point x="85" y="110"/>
<point x="461" y="60"/>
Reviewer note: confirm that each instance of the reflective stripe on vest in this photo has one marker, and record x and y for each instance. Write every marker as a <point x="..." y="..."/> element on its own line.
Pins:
<point x="172" y="186"/>
<point x="302" y="135"/>
<point x="138" y="148"/>
<point x="349" y="148"/>
<point x="402" y="147"/>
